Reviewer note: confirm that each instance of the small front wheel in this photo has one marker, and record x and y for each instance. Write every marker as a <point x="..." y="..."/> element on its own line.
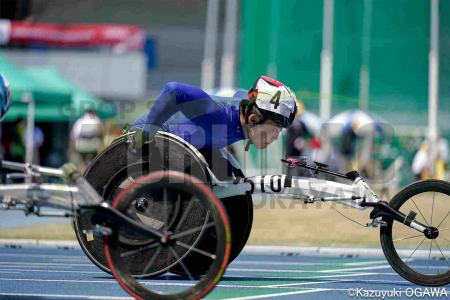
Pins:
<point x="420" y="259"/>
<point x="181" y="239"/>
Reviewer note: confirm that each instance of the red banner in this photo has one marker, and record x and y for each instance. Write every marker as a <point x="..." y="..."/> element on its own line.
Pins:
<point x="117" y="37"/>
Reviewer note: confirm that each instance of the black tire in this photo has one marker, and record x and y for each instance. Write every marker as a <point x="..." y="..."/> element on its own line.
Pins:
<point x="240" y="213"/>
<point x="401" y="244"/>
<point x="192" y="189"/>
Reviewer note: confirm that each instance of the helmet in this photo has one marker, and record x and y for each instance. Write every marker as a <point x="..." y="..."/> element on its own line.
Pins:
<point x="275" y="100"/>
<point x="5" y="96"/>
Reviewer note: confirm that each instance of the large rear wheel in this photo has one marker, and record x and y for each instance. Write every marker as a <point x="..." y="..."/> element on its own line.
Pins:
<point x="158" y="257"/>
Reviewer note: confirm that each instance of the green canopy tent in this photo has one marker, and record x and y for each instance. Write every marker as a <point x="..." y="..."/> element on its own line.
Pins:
<point x="48" y="101"/>
<point x="81" y="101"/>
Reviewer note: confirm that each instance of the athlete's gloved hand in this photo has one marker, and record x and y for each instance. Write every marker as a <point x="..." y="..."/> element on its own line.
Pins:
<point x="140" y="137"/>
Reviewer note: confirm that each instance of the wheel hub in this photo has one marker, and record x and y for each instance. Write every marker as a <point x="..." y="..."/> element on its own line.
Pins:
<point x="141" y="204"/>
<point x="166" y="240"/>
<point x="431" y="233"/>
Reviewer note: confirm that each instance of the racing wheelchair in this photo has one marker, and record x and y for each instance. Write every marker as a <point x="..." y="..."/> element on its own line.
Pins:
<point x="406" y="222"/>
<point x="145" y="214"/>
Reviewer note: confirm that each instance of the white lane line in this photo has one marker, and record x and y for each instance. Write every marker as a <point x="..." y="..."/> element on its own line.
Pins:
<point x="334" y="281"/>
<point x="376" y="262"/>
<point x="42" y="267"/>
<point x="11" y="272"/>
<point x="309" y="277"/>
<point x="42" y="255"/>
<point x="302" y="283"/>
<point x="269" y="271"/>
<point x="274" y="263"/>
<point x="71" y="260"/>
<point x="46" y="264"/>
<point x="357" y="269"/>
<point x="278" y="294"/>
<point x="306" y="271"/>
<point x="66" y="296"/>
<point x="59" y="280"/>
<point x="54" y="271"/>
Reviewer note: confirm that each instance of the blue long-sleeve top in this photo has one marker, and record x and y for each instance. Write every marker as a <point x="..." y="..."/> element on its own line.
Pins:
<point x="206" y="122"/>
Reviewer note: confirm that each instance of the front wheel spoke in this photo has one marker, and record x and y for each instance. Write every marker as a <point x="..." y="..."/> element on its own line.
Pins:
<point x="420" y="212"/>
<point x="415" y="250"/>
<point x="444" y="229"/>
<point x="181" y="263"/>
<point x="407" y="238"/>
<point x="165" y="209"/>
<point x="443" y="221"/>
<point x="441" y="253"/>
<point x="185" y="214"/>
<point x="444" y="238"/>
<point x="432" y="209"/>
<point x="190" y="231"/>
<point x="429" y="256"/>
<point x="139" y="250"/>
<point x="212" y="256"/>
<point x="152" y="260"/>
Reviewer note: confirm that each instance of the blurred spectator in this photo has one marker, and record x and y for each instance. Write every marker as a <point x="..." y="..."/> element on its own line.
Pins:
<point x="365" y="153"/>
<point x="14" y="141"/>
<point x="431" y="163"/>
<point x="348" y="147"/>
<point x="38" y="141"/>
<point x="419" y="164"/>
<point x="416" y="139"/>
<point x="297" y="141"/>
<point x="442" y="159"/>
<point x="86" y="140"/>
<point x="112" y="130"/>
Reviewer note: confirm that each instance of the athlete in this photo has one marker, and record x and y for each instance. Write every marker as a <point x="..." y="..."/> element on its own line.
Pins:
<point x="210" y="123"/>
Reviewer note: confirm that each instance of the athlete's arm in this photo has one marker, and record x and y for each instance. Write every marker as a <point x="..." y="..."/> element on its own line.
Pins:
<point x="176" y="97"/>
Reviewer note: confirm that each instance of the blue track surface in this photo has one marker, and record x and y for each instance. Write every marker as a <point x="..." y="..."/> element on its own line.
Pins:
<point x="46" y="273"/>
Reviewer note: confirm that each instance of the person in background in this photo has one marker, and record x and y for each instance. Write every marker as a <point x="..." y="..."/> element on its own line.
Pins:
<point x="14" y="141"/>
<point x="442" y="159"/>
<point x="38" y="141"/>
<point x="348" y="148"/>
<point x="86" y="140"/>
<point x="112" y="130"/>
<point x="419" y="164"/>
<point x="297" y="136"/>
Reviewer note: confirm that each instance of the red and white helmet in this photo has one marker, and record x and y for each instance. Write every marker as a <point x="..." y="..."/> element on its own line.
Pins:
<point x="275" y="100"/>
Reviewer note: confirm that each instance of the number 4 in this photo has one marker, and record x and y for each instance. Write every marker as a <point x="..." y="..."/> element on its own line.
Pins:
<point x="276" y="99"/>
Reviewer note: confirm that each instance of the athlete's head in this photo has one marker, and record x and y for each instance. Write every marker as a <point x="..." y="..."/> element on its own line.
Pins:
<point x="5" y="96"/>
<point x="272" y="107"/>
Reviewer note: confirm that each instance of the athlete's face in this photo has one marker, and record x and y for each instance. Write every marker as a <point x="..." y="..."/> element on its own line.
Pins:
<point x="264" y="134"/>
